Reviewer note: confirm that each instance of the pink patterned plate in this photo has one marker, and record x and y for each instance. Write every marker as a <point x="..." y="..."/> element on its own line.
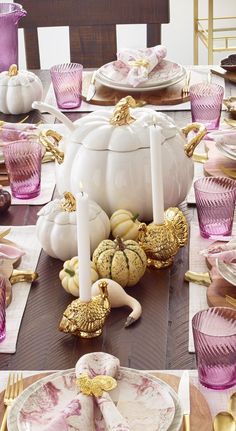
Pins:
<point x="144" y="400"/>
<point x="164" y="74"/>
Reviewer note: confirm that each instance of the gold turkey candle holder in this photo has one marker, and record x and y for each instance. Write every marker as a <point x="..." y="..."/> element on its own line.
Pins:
<point x="86" y="319"/>
<point x="161" y="242"/>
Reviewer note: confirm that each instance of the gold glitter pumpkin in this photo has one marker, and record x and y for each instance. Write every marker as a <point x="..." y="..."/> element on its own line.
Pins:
<point x="122" y="261"/>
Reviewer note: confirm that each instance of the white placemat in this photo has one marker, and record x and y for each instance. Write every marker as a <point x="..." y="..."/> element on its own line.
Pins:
<point x="197" y="263"/>
<point x="197" y="75"/>
<point x="217" y="400"/>
<point x="25" y="237"/>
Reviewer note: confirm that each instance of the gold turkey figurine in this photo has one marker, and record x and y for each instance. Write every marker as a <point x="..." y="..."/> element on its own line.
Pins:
<point x="161" y="242"/>
<point x="86" y="319"/>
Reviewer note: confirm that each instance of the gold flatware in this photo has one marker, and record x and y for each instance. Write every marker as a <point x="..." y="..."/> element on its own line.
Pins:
<point x="230" y="122"/>
<point x="224" y="421"/>
<point x="13" y="389"/>
<point x="232" y="302"/>
<point x="232" y="402"/>
<point x="185" y="89"/>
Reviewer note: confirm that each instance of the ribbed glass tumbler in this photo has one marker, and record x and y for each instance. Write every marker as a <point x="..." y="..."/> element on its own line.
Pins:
<point x="23" y="162"/>
<point x="215" y="201"/>
<point x="206" y="102"/>
<point x="67" y="83"/>
<point x="214" y="332"/>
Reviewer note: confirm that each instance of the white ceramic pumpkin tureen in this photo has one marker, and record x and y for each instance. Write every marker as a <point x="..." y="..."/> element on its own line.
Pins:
<point x="110" y="155"/>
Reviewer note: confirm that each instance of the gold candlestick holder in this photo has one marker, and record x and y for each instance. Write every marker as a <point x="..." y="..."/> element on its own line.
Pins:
<point x="161" y="242"/>
<point x="86" y="319"/>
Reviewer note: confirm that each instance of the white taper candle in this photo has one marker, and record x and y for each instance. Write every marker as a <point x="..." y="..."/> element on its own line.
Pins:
<point x="83" y="242"/>
<point x="156" y="174"/>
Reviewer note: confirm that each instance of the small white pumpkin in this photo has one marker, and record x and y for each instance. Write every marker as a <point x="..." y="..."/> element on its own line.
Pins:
<point x="69" y="275"/>
<point x="124" y="224"/>
<point x="18" y="90"/>
<point x="56" y="227"/>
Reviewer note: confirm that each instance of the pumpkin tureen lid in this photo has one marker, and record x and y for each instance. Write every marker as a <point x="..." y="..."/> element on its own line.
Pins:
<point x="14" y="77"/>
<point x="124" y="130"/>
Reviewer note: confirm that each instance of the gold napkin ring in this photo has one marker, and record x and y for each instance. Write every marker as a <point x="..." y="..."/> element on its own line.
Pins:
<point x="95" y="386"/>
<point x="140" y="62"/>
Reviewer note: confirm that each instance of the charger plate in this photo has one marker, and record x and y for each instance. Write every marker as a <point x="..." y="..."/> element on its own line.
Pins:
<point x="153" y="401"/>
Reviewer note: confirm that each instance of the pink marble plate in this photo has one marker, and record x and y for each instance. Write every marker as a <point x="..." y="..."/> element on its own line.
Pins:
<point x="144" y="400"/>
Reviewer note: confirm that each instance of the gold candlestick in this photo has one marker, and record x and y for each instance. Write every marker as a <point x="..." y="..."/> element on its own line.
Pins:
<point x="161" y="242"/>
<point x="86" y="319"/>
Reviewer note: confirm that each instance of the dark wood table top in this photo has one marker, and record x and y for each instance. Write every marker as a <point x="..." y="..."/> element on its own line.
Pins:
<point x="159" y="340"/>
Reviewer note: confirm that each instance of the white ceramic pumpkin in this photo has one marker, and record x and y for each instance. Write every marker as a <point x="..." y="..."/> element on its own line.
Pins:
<point x="18" y="89"/>
<point x="110" y="155"/>
<point x="56" y="228"/>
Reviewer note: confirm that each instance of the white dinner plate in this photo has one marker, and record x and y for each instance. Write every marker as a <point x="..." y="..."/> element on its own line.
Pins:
<point x="224" y="149"/>
<point x="227" y="271"/>
<point x="156" y="400"/>
<point x="157" y="78"/>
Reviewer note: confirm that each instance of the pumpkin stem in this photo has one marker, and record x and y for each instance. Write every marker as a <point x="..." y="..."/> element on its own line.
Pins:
<point x="70" y="272"/>
<point x="68" y="203"/>
<point x="13" y="70"/>
<point x="119" y="243"/>
<point x="135" y="216"/>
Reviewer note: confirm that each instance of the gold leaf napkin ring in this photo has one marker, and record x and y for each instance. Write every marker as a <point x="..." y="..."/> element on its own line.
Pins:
<point x="139" y="63"/>
<point x="95" y="386"/>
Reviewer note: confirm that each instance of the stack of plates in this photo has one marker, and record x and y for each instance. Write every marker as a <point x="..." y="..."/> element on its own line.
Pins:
<point x="163" y="75"/>
<point x="226" y="144"/>
<point x="146" y="401"/>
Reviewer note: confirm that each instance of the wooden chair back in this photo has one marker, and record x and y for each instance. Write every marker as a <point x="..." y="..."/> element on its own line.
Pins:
<point x="92" y="25"/>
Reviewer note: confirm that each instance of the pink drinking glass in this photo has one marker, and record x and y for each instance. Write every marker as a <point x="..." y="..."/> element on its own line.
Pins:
<point x="215" y="201"/>
<point x="206" y="102"/>
<point x="67" y="84"/>
<point x="214" y="333"/>
<point x="23" y="162"/>
<point x="2" y="307"/>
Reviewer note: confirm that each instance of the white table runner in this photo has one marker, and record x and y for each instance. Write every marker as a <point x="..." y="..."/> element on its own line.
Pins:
<point x="25" y="238"/>
<point x="217" y="400"/>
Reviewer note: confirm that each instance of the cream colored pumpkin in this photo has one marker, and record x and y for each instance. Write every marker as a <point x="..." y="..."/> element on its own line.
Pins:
<point x="18" y="90"/>
<point x="124" y="224"/>
<point x="70" y="278"/>
<point x="122" y="261"/>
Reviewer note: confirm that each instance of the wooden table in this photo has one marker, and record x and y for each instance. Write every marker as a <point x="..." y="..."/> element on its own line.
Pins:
<point x="158" y="340"/>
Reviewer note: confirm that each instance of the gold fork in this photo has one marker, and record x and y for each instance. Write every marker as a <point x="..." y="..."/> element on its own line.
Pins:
<point x="13" y="389"/>
<point x="185" y="89"/>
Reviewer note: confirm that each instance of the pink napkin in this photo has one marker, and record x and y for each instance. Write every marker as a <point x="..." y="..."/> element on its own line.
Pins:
<point x="80" y="412"/>
<point x="134" y="65"/>
<point x="15" y="132"/>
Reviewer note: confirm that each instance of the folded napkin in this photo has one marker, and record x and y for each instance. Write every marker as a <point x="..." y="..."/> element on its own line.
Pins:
<point x="96" y="373"/>
<point x="15" y="132"/>
<point x="134" y="65"/>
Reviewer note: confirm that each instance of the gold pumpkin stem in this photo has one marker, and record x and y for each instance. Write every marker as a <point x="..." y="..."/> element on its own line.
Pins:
<point x="68" y="203"/>
<point x="13" y="71"/>
<point x="121" y="114"/>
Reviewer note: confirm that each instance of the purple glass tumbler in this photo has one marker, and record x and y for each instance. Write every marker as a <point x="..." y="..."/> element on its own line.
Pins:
<point x="214" y="333"/>
<point x="23" y="162"/>
<point x="10" y="13"/>
<point x="67" y="84"/>
<point x="215" y="201"/>
<point x="206" y="102"/>
<point x="2" y="307"/>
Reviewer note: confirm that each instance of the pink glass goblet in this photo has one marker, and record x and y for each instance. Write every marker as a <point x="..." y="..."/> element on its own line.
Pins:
<point x="206" y="102"/>
<point x="2" y="307"/>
